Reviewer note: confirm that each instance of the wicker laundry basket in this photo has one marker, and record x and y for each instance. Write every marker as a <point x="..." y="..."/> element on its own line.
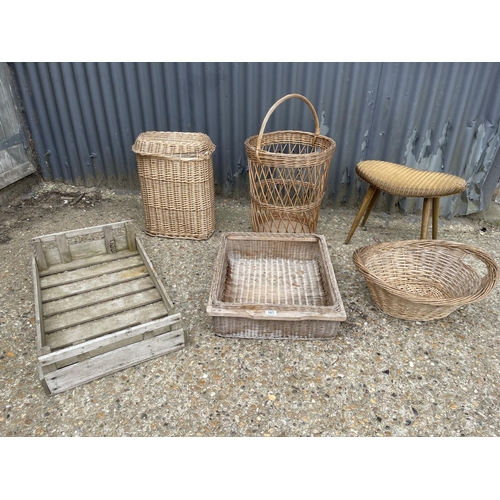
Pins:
<point x="177" y="183"/>
<point x="288" y="172"/>
<point x="425" y="279"/>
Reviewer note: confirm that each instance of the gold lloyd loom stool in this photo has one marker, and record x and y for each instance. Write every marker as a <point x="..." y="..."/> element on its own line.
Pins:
<point x="400" y="180"/>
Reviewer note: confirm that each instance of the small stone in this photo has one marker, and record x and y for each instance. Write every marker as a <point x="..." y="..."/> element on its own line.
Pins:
<point x="272" y="397"/>
<point x="10" y="354"/>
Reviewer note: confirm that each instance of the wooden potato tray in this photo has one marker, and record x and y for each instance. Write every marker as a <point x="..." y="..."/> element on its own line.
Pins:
<point x="100" y="306"/>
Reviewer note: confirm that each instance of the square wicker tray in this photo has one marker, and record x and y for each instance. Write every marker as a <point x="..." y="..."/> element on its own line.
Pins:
<point x="275" y="286"/>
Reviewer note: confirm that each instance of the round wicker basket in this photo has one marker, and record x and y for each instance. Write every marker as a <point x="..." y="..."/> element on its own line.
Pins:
<point x="288" y="171"/>
<point x="424" y="280"/>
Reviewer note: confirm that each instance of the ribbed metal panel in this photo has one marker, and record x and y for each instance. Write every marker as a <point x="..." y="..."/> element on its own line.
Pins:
<point x="84" y="118"/>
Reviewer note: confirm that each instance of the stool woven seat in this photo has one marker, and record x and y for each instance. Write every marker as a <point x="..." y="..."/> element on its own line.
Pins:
<point x="406" y="181"/>
<point x="401" y="180"/>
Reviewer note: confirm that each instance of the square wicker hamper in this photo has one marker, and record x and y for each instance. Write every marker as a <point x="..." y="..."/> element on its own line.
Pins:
<point x="275" y="286"/>
<point x="177" y="183"/>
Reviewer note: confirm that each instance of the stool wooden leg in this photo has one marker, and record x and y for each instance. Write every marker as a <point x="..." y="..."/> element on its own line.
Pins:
<point x="366" y="202"/>
<point x="370" y="206"/>
<point x="426" y="216"/>
<point x="435" y="217"/>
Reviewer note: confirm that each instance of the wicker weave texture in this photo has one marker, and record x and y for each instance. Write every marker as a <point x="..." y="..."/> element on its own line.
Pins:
<point x="274" y="286"/>
<point x="288" y="172"/>
<point x="425" y="279"/>
<point x="177" y="184"/>
<point x="401" y="180"/>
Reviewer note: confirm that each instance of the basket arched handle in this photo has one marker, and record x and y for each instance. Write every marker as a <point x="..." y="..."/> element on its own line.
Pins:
<point x="271" y="111"/>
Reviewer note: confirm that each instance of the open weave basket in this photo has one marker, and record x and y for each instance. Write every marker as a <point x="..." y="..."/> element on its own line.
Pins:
<point x="288" y="172"/>
<point x="177" y="183"/>
<point x="425" y="279"/>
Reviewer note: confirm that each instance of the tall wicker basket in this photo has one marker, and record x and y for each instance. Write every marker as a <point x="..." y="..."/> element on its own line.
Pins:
<point x="288" y="172"/>
<point x="177" y="184"/>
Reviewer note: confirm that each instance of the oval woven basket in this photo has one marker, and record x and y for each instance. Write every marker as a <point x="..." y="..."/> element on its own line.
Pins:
<point x="288" y="170"/>
<point x="424" y="280"/>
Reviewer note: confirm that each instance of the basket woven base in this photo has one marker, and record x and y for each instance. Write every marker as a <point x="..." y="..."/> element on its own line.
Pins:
<point x="404" y="309"/>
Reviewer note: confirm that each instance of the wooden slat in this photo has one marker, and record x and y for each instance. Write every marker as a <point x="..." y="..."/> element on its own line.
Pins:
<point x="154" y="276"/>
<point x="110" y="339"/>
<point x="82" y="232"/>
<point x="86" y="262"/>
<point x="84" y="286"/>
<point x="113" y="361"/>
<point x="90" y="272"/>
<point x="108" y="239"/>
<point x="107" y="325"/>
<point x="70" y="303"/>
<point x="104" y="309"/>
<point x="62" y="245"/>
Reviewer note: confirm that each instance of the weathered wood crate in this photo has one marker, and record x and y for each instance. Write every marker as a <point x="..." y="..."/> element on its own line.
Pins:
<point x="100" y="306"/>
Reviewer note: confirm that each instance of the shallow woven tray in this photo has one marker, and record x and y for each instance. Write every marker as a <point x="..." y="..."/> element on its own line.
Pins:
<point x="425" y="279"/>
<point x="275" y="286"/>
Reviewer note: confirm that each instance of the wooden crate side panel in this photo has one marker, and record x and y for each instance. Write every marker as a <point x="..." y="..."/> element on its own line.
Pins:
<point x="104" y="342"/>
<point x="113" y="361"/>
<point x="111" y="347"/>
<point x="40" y="332"/>
<point x="88" y="249"/>
<point x="64" y="251"/>
<point x="156" y="279"/>
<point x="85" y="231"/>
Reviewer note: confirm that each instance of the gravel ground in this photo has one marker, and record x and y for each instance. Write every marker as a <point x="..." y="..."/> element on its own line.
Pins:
<point x="380" y="376"/>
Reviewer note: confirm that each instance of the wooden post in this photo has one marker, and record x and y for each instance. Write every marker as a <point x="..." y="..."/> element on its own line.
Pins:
<point x="426" y="217"/>
<point x="435" y="217"/>
<point x="364" y="206"/>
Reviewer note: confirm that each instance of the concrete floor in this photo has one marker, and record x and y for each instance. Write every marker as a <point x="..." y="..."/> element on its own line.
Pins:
<point x="380" y="376"/>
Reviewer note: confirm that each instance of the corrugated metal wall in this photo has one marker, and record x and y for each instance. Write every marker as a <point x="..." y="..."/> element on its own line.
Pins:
<point x="84" y="118"/>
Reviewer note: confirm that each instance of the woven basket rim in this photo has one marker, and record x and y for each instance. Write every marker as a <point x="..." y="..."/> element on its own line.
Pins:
<point x="487" y="283"/>
<point x="253" y="147"/>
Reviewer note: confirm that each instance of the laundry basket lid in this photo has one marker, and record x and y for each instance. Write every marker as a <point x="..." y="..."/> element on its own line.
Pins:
<point x="174" y="144"/>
